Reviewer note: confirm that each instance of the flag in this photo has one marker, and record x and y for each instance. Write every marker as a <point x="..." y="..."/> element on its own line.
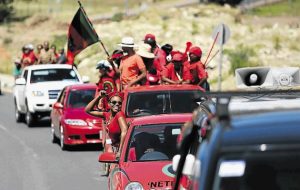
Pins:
<point x="81" y="34"/>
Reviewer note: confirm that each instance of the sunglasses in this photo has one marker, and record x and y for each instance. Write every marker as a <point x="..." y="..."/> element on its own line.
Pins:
<point x="116" y="102"/>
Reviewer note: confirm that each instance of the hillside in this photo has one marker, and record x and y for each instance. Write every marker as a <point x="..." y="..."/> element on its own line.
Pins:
<point x="255" y="40"/>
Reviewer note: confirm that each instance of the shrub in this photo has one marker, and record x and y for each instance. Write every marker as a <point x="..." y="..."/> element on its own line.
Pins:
<point x="6" y="9"/>
<point x="118" y="17"/>
<point x="240" y="57"/>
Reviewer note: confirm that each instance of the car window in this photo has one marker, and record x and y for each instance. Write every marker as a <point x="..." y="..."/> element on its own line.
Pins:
<point x="277" y="170"/>
<point x="45" y="75"/>
<point x="62" y="96"/>
<point x="153" y="142"/>
<point x="161" y="102"/>
<point x="80" y="98"/>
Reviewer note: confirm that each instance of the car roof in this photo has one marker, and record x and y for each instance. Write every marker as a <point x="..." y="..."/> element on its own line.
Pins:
<point x="50" y="66"/>
<point x="82" y="86"/>
<point x="163" y="118"/>
<point x="163" y="88"/>
<point x="274" y="127"/>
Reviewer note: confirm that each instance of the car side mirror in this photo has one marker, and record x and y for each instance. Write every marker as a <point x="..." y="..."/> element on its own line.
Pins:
<point x="108" y="157"/>
<point x="20" y="81"/>
<point x="85" y="79"/>
<point x="58" y="105"/>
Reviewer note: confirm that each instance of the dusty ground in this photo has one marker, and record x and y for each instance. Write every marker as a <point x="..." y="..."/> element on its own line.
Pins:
<point x="175" y="26"/>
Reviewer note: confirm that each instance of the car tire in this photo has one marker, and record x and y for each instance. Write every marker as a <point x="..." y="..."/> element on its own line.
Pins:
<point x="30" y="118"/>
<point x="63" y="146"/>
<point x="54" y="139"/>
<point x="19" y="116"/>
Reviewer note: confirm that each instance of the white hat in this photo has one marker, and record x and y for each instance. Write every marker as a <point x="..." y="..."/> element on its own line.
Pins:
<point x="30" y="46"/>
<point x="102" y="64"/>
<point x="145" y="51"/>
<point x="127" y="42"/>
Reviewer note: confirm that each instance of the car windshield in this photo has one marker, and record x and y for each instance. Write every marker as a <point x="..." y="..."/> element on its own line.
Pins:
<point x="274" y="171"/>
<point x="80" y="98"/>
<point x="153" y="142"/>
<point x="45" y="75"/>
<point x="161" y="102"/>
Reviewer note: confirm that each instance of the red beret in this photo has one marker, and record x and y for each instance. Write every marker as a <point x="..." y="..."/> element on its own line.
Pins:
<point x="196" y="51"/>
<point x="119" y="94"/>
<point x="151" y="36"/>
<point x="177" y="57"/>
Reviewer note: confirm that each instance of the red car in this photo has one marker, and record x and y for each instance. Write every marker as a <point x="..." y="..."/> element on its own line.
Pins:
<point x="145" y="160"/>
<point x="69" y="122"/>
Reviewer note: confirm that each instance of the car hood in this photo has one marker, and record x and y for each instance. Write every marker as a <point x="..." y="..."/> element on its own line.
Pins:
<point x="152" y="175"/>
<point x="53" y="85"/>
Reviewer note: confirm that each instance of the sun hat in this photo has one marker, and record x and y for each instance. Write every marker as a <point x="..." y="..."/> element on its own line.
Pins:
<point x="145" y="51"/>
<point x="103" y="64"/>
<point x="127" y="42"/>
<point x="196" y="51"/>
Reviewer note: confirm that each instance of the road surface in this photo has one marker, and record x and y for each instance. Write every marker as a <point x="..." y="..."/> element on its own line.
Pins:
<point x="29" y="161"/>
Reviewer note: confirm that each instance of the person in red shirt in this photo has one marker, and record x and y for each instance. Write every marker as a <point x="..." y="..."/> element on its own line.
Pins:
<point x="108" y="82"/>
<point x="28" y="57"/>
<point x="132" y="67"/>
<point x="197" y="68"/>
<point x="152" y="77"/>
<point x="116" y="126"/>
<point x="160" y="56"/>
<point x="177" y="72"/>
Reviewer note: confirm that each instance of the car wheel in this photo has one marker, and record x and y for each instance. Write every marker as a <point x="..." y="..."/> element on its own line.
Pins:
<point x="30" y="118"/>
<point x="54" y="139"/>
<point x="63" y="146"/>
<point x="19" y="116"/>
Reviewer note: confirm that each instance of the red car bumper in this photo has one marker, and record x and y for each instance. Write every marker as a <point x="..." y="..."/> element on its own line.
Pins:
<point x="75" y="135"/>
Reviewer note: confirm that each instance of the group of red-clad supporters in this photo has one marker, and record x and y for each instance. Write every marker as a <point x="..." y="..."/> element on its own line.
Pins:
<point x="44" y="54"/>
<point x="149" y="65"/>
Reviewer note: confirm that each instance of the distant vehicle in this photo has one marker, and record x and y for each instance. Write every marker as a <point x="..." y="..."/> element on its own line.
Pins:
<point x="145" y="160"/>
<point x="69" y="122"/>
<point x="38" y="88"/>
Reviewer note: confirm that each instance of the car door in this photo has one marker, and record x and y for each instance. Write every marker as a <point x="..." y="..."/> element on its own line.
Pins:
<point x="21" y="92"/>
<point x="58" y="112"/>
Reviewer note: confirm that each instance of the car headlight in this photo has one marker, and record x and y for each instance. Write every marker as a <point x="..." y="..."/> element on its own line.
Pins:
<point x="78" y="122"/>
<point x="134" y="186"/>
<point x="37" y="93"/>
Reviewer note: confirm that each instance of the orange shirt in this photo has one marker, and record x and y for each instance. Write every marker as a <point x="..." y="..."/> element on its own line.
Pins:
<point x="130" y="68"/>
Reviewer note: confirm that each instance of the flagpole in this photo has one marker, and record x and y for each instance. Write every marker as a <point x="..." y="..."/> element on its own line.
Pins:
<point x="80" y="5"/>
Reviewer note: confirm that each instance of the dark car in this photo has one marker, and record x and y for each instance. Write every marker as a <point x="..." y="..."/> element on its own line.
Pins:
<point x="250" y="151"/>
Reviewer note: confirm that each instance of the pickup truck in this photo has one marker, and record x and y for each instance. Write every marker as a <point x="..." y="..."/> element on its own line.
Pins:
<point x="38" y="87"/>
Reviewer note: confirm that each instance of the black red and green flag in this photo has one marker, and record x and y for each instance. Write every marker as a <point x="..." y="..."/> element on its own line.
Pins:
<point x="81" y="34"/>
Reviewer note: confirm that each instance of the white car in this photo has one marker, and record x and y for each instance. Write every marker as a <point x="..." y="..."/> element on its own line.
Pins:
<point x="38" y="88"/>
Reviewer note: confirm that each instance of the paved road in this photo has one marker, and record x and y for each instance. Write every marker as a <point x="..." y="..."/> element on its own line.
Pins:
<point x="29" y="161"/>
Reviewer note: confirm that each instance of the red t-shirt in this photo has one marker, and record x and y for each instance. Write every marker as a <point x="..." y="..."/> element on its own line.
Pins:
<point x="114" y="130"/>
<point x="170" y="73"/>
<point x="130" y="68"/>
<point x="197" y="72"/>
<point x="160" y="59"/>
<point x="29" y="59"/>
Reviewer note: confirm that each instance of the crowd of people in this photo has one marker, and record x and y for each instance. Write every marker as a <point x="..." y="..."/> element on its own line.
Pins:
<point x="43" y="54"/>
<point x="149" y="65"/>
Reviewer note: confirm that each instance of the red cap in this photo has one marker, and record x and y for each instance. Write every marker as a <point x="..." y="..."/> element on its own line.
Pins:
<point x="116" y="56"/>
<point x="196" y="51"/>
<point x="114" y="93"/>
<point x="151" y="36"/>
<point x="177" y="57"/>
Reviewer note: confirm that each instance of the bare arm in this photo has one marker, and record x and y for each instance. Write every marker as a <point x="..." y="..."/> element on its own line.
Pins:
<point x="165" y="79"/>
<point x="123" y="127"/>
<point x="90" y="107"/>
<point x="186" y="82"/>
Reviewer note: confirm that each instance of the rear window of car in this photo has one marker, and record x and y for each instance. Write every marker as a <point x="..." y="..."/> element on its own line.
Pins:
<point x="153" y="142"/>
<point x="80" y="98"/>
<point x="46" y="75"/>
<point x="161" y="102"/>
<point x="274" y="171"/>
